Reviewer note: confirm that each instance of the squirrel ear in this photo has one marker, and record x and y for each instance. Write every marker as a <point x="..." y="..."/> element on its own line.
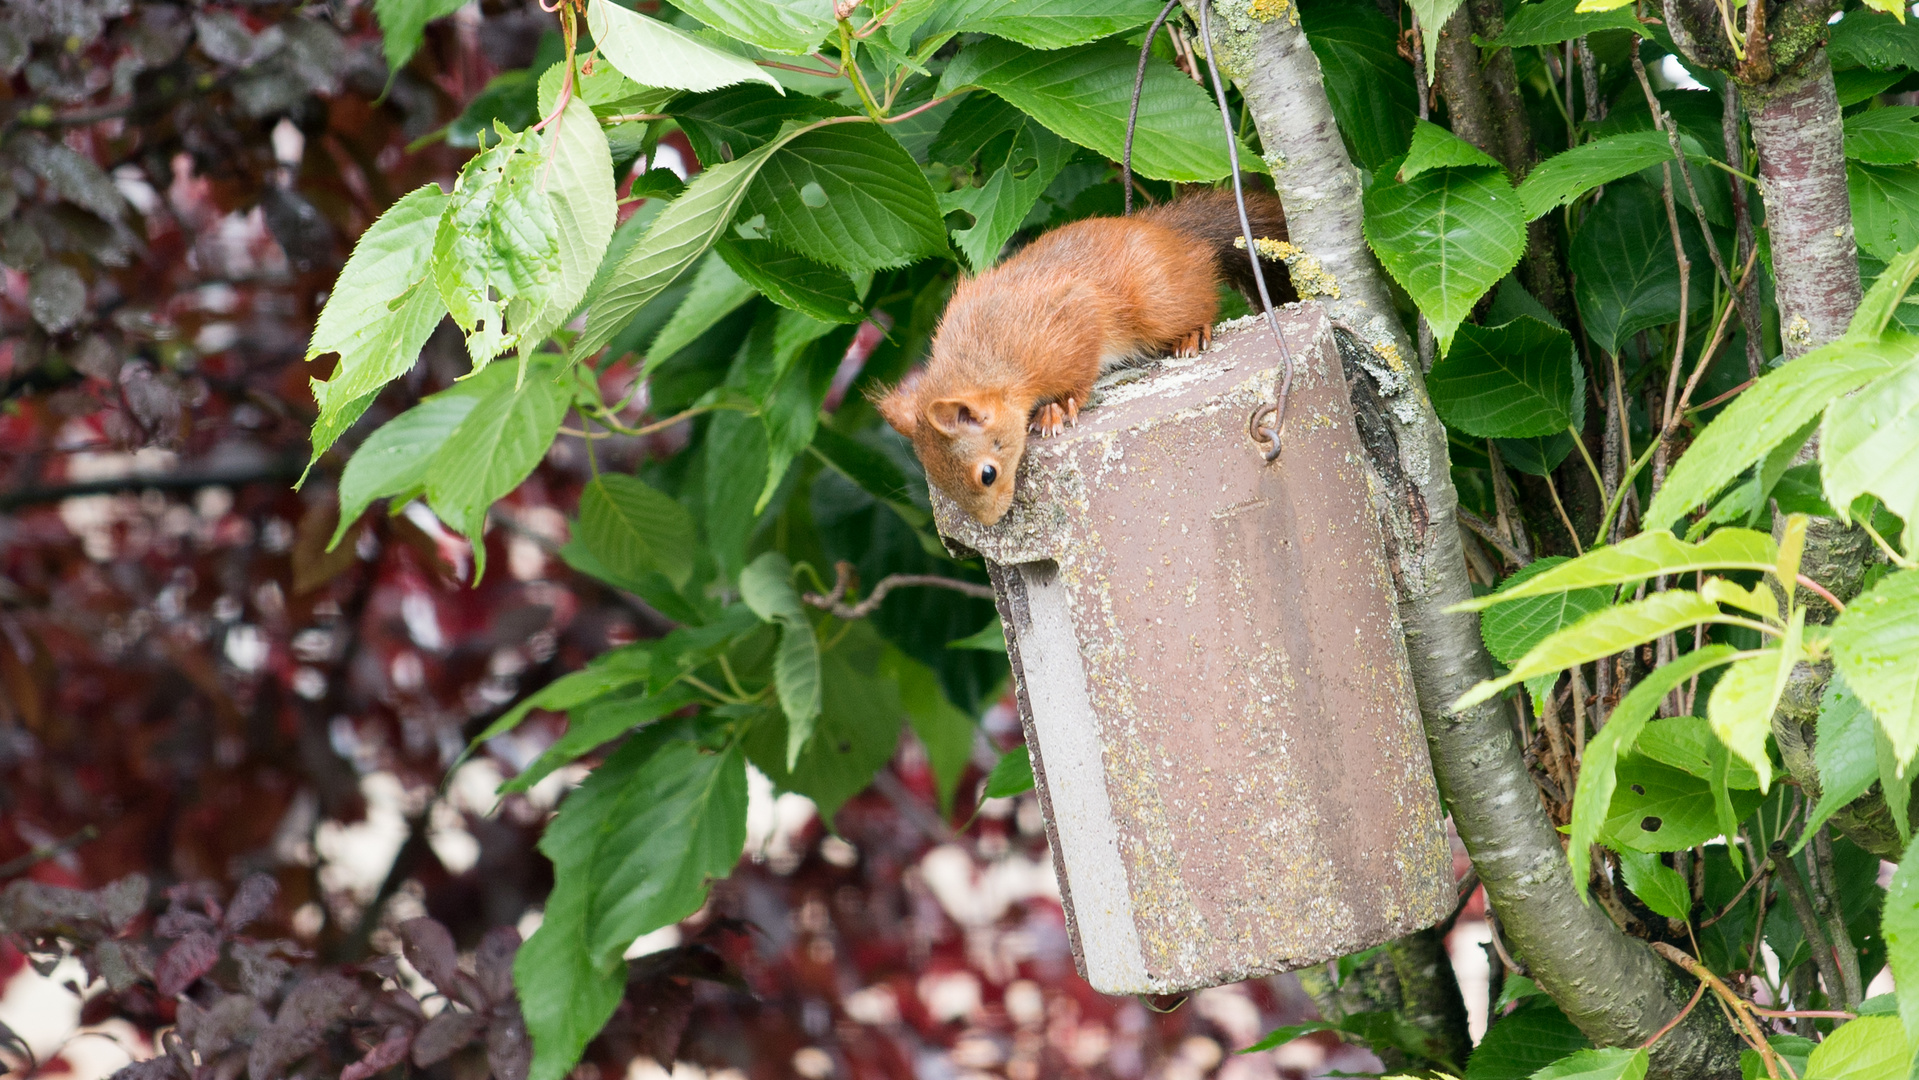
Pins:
<point x="896" y="408"/>
<point x="951" y="415"/>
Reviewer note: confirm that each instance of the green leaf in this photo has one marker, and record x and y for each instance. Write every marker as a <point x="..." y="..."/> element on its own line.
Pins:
<point x="766" y="587"/>
<point x="1656" y="807"/>
<point x="1869" y="1048"/>
<point x="1509" y="382"/>
<point x="380" y="310"/>
<point x="870" y="207"/>
<point x="596" y="725"/>
<point x="1658" y="885"/>
<point x="730" y="123"/>
<point x="1869" y="444"/>
<point x="1863" y="40"/>
<point x="1549" y="22"/>
<point x="856" y="734"/>
<point x="1011" y="775"/>
<point x="1883" y="298"/>
<point x="1611" y="1063"/>
<point x="498" y="242"/>
<point x="1639" y="558"/>
<point x="652" y="53"/>
<point x="678" y="237"/>
<point x="783" y="26"/>
<point x="565" y="997"/>
<point x="509" y="100"/>
<point x="1791" y="1049"/>
<point x="1536" y="457"/>
<point x="505" y="435"/>
<point x="1566" y="176"/>
<point x="1282" y="1035"/>
<point x="1446" y="237"/>
<point x="1625" y="277"/>
<point x="1844" y="754"/>
<point x="1511" y="630"/>
<point x="1768" y="413"/>
<point x="1900" y="925"/>
<point x="1742" y="703"/>
<point x="1602" y="633"/>
<point x="403" y="24"/>
<point x="793" y="281"/>
<point x="1434" y="147"/>
<point x="716" y="292"/>
<point x="1433" y="15"/>
<point x="1687" y="742"/>
<point x="943" y="729"/>
<point x="1368" y="83"/>
<point x="1082" y="94"/>
<point x="796" y="677"/>
<point x="1034" y="157"/>
<point x="990" y="638"/>
<point x="1519" y="1044"/>
<point x="394" y="459"/>
<point x="569" y="691"/>
<point x="1855" y="85"/>
<point x="1888" y="136"/>
<point x="1885" y="208"/>
<point x="633" y="529"/>
<point x="735" y="465"/>
<point x="1876" y="646"/>
<point x="873" y="472"/>
<point x="1593" y="796"/>
<point x="579" y="184"/>
<point x="1042" y="24"/>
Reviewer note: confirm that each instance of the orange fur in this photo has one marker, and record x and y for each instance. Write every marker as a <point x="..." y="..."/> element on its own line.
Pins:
<point x="1023" y="342"/>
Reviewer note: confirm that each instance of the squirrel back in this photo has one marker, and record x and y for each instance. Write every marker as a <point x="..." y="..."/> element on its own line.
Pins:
<point x="1024" y="341"/>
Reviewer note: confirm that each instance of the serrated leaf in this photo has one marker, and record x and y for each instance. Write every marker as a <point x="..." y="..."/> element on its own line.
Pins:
<point x="1658" y="885"/>
<point x="505" y="435"/>
<point x="855" y="735"/>
<point x="652" y="53"/>
<point x="1899" y="923"/>
<point x="592" y="726"/>
<point x="1869" y="1048"/>
<point x="873" y="472"/>
<point x="633" y="529"/>
<point x="1656" y="807"/>
<point x="579" y="185"/>
<point x="1639" y="558"/>
<point x="1768" y="413"/>
<point x="1593" y="796"/>
<point x="784" y="26"/>
<point x="766" y="587"/>
<point x="943" y="728"/>
<point x="677" y="238"/>
<point x="1869" y="443"/>
<point x="1042" y="24"/>
<point x="1687" y="742"/>
<point x="1872" y="42"/>
<point x="1447" y="237"/>
<point x="1742" y="703"/>
<point x="1612" y="1062"/>
<point x="730" y="123"/>
<point x="1509" y="382"/>
<point x="1876" y="646"/>
<point x="381" y="309"/>
<point x="1565" y="176"/>
<point x="796" y="678"/>
<point x="1885" y="208"/>
<point x="1522" y="1042"/>
<point x="1368" y="83"/>
<point x="569" y="691"/>
<point x="498" y="243"/>
<point x="1600" y="634"/>
<point x="1433" y="147"/>
<point x="1887" y="136"/>
<point x="403" y="24"/>
<point x="1433" y="15"/>
<point x="1549" y="22"/>
<point x="715" y="292"/>
<point x="395" y="458"/>
<point x="1511" y="630"/>
<point x="1625" y="276"/>
<point x="848" y="196"/>
<point x="793" y="281"/>
<point x="1012" y="774"/>
<point x="1083" y="93"/>
<point x="1034" y="157"/>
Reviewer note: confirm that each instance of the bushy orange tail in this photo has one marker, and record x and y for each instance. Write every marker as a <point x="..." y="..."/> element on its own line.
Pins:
<point x="1212" y="218"/>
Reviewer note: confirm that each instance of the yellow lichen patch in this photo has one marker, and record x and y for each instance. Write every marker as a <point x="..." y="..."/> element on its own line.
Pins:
<point x="1797" y="330"/>
<point x="1310" y="279"/>
<point x="1268" y="10"/>
<point x="1390" y="352"/>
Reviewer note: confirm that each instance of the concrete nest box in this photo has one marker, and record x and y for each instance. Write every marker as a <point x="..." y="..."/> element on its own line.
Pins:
<point x="1212" y="676"/>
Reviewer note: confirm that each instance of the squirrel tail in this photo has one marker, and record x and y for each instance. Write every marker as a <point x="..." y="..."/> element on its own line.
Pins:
<point x="1212" y="218"/>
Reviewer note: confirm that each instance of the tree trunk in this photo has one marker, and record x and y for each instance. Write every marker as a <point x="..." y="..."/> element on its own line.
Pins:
<point x="1802" y="175"/>
<point x="1613" y="988"/>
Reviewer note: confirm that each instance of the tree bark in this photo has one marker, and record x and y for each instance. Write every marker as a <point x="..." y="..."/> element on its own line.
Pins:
<point x="1414" y="977"/>
<point x="1612" y="987"/>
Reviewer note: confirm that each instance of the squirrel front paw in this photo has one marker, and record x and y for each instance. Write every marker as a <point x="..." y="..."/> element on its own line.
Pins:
<point x="1050" y="419"/>
<point x="1195" y="343"/>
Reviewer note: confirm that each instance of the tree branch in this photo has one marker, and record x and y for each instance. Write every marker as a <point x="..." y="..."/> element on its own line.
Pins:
<point x="835" y="600"/>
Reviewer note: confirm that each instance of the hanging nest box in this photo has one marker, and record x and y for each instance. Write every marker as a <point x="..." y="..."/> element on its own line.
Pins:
<point x="1212" y="676"/>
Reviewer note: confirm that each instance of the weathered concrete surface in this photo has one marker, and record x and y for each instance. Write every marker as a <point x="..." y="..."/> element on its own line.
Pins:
<point x="1212" y="675"/>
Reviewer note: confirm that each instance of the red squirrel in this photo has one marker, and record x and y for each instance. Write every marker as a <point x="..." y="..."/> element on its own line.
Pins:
<point x="1021" y="344"/>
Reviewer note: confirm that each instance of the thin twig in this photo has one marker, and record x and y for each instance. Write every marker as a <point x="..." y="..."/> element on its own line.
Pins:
<point x="1489" y="533"/>
<point x="1698" y="992"/>
<point x="1823" y="594"/>
<point x="1731" y="1000"/>
<point x="835" y="601"/>
<point x="1758" y="877"/>
<point x="1801" y="901"/>
<point x="44" y="852"/>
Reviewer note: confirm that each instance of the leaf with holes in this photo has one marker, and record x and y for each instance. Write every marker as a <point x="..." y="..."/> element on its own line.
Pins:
<point x="1516" y="381"/>
<point x="1876" y="646"/>
<point x="633" y="529"/>
<point x="496" y="253"/>
<point x="1083" y="93"/>
<point x="1034" y="156"/>
<point x="1656" y="807"/>
<point x="849" y="196"/>
<point x="579" y="185"/>
<point x="1447" y="237"/>
<point x="1602" y="633"/>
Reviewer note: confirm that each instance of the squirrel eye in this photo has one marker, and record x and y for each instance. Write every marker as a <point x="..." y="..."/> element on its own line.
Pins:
<point x="987" y="474"/>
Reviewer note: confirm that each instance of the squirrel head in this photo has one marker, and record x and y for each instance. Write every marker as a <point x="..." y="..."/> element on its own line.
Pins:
<point x="969" y="442"/>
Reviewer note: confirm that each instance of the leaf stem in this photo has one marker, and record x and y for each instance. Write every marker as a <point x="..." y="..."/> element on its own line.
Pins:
<point x="1586" y="456"/>
<point x="1823" y="594"/>
<point x="916" y="110"/>
<point x="1553" y="490"/>
<point x="1734" y="1002"/>
<point x="1898" y="560"/>
<point x="1697" y="993"/>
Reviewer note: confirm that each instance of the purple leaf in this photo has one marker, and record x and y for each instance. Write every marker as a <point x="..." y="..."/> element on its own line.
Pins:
<point x="509" y="1053"/>
<point x="445" y="1034"/>
<point x="122" y="901"/>
<point x="153" y="1068"/>
<point x="178" y="922"/>
<point x="429" y="948"/>
<point x="254" y="900"/>
<point x="182" y="965"/>
<point x="391" y="1051"/>
<point x="493" y="963"/>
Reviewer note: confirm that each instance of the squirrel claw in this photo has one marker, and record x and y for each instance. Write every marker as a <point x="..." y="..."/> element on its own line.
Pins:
<point x="1050" y="420"/>
<point x="1195" y="343"/>
<point x="1072" y="412"/>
